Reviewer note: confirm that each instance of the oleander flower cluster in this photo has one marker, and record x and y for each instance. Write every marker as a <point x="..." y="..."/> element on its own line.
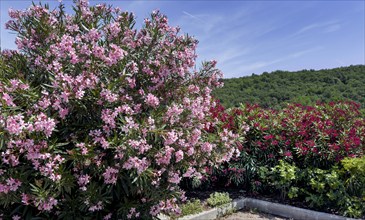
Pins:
<point x="100" y="120"/>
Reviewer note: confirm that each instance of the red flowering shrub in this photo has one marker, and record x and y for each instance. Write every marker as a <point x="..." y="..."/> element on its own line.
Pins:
<point x="318" y="136"/>
<point x="100" y="120"/>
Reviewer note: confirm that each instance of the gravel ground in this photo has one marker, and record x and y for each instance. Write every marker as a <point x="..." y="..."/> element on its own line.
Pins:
<point x="249" y="214"/>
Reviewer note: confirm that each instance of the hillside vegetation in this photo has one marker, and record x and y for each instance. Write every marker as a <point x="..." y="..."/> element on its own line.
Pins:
<point x="277" y="88"/>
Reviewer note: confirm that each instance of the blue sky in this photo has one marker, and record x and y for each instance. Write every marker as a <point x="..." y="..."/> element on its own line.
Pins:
<point x="248" y="37"/>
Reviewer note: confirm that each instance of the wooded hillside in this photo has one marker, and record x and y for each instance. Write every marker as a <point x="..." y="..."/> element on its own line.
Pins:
<point x="277" y="88"/>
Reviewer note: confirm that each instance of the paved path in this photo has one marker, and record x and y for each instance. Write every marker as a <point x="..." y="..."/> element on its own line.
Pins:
<point x="244" y="214"/>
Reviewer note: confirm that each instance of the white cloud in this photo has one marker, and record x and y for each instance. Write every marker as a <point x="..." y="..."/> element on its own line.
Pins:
<point x="259" y="66"/>
<point x="301" y="53"/>
<point x="329" y="25"/>
<point x="193" y="16"/>
<point x="205" y="23"/>
<point x="230" y="54"/>
<point x="332" y="28"/>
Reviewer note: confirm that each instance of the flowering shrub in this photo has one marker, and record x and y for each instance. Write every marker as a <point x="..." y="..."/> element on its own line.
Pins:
<point x="310" y="136"/>
<point x="101" y="120"/>
<point x="314" y="154"/>
<point x="318" y="136"/>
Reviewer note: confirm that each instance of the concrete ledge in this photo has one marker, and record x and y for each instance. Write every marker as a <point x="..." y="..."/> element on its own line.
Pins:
<point x="263" y="206"/>
<point x="290" y="211"/>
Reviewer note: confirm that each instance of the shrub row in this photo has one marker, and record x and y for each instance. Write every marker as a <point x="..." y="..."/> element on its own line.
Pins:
<point x="314" y="139"/>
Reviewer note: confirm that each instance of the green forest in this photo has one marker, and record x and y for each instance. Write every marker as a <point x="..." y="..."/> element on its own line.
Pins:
<point x="276" y="89"/>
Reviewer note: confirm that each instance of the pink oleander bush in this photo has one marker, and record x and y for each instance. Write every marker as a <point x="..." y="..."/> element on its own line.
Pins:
<point x="99" y="120"/>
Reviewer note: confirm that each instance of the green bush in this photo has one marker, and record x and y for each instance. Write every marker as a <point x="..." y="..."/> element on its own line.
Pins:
<point x="217" y="199"/>
<point x="339" y="188"/>
<point x="281" y="177"/>
<point x="323" y="187"/>
<point x="354" y="170"/>
<point x="191" y="207"/>
<point x="353" y="174"/>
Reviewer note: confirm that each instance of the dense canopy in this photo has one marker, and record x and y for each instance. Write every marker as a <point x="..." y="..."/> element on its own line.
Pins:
<point x="276" y="89"/>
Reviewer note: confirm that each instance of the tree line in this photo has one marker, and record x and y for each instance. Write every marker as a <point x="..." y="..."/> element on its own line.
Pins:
<point x="276" y="89"/>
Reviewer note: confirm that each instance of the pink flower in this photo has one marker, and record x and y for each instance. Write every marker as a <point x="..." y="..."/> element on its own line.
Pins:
<point x="108" y="117"/>
<point x="164" y="158"/>
<point x="15" y="217"/>
<point x="14" y="13"/>
<point x="155" y="210"/>
<point x="83" y="148"/>
<point x="108" y="216"/>
<point x="130" y="124"/>
<point x="173" y="113"/>
<point x="63" y="112"/>
<point x="15" y="124"/>
<point x="99" y="52"/>
<point x="44" y="103"/>
<point x="189" y="172"/>
<point x="79" y="94"/>
<point x="114" y="30"/>
<point x="131" y="82"/>
<point x="46" y="205"/>
<point x="152" y="100"/>
<point x="45" y="124"/>
<point x="66" y="43"/>
<point x="97" y="207"/>
<point x="194" y="89"/>
<point x="13" y="184"/>
<point x="115" y="55"/>
<point x="108" y="96"/>
<point x="174" y="178"/>
<point x="207" y="147"/>
<point x="171" y="137"/>
<point x="110" y="175"/>
<point x="179" y="155"/>
<point x="83" y="180"/>
<point x="139" y="164"/>
<point x="93" y="35"/>
<point x="141" y="145"/>
<point x="190" y="151"/>
<point x="8" y="99"/>
<point x="196" y="135"/>
<point x="25" y="199"/>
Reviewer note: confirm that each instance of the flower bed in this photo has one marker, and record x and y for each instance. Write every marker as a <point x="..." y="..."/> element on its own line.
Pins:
<point x="307" y="152"/>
